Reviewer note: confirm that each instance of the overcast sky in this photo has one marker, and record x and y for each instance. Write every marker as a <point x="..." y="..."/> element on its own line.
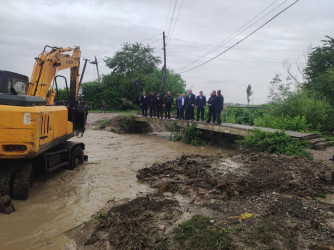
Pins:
<point x="100" y="28"/>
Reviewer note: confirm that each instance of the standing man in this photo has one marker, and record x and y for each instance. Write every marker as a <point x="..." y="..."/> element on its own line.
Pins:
<point x="143" y="103"/>
<point x="200" y="105"/>
<point x="219" y="105"/>
<point x="176" y="102"/>
<point x="190" y="105"/>
<point x="168" y="103"/>
<point x="158" y="105"/>
<point x="103" y="106"/>
<point x="180" y="107"/>
<point x="211" y="104"/>
<point x="151" y="103"/>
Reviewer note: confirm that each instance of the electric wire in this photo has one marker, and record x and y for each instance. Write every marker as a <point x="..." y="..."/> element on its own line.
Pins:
<point x="171" y="20"/>
<point x="279" y="13"/>
<point x="213" y="45"/>
<point x="149" y="38"/>
<point x="170" y="1"/>
<point x="239" y="31"/>
<point x="177" y="18"/>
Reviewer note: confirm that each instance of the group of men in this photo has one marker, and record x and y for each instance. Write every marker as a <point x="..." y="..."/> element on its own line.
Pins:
<point x="185" y="105"/>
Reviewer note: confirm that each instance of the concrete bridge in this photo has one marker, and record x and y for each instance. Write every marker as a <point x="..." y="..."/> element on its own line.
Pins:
<point x="235" y="129"/>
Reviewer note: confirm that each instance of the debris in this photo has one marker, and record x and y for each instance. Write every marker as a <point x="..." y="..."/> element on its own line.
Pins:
<point x="6" y="205"/>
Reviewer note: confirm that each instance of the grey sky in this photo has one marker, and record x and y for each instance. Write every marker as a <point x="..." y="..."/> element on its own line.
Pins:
<point x="101" y="27"/>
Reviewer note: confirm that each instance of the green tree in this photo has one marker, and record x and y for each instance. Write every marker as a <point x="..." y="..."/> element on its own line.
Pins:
<point x="249" y="93"/>
<point x="320" y="59"/>
<point x="132" y="64"/>
<point x="279" y="90"/>
<point x="175" y="83"/>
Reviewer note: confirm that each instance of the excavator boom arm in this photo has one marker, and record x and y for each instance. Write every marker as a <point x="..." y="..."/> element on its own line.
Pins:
<point x="46" y="66"/>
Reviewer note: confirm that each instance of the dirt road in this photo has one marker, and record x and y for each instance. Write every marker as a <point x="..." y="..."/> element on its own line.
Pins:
<point x="65" y="199"/>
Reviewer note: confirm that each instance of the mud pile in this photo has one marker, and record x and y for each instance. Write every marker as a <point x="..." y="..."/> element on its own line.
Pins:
<point x="139" y="224"/>
<point x="122" y="125"/>
<point x="242" y="175"/>
<point x="277" y="193"/>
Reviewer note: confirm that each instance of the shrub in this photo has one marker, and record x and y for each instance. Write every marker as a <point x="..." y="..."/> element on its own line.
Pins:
<point x="297" y="123"/>
<point x="277" y="142"/>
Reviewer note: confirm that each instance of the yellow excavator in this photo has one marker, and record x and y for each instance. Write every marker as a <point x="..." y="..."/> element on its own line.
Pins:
<point x="34" y="127"/>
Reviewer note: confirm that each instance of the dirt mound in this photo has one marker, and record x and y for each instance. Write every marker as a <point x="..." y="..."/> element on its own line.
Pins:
<point x="123" y="125"/>
<point x="139" y="224"/>
<point x="257" y="201"/>
<point x="226" y="178"/>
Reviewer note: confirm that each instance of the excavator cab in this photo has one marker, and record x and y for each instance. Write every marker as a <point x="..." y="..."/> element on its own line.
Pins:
<point x="12" y="83"/>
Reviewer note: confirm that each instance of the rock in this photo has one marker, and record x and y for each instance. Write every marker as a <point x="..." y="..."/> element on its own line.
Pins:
<point x="6" y="205"/>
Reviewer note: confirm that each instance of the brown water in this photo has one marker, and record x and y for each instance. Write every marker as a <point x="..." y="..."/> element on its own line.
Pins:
<point x="65" y="199"/>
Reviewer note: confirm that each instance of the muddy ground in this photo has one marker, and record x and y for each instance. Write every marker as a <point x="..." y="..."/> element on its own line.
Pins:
<point x="259" y="201"/>
<point x="64" y="199"/>
<point x="136" y="189"/>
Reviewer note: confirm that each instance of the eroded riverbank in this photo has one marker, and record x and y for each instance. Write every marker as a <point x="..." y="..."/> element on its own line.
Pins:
<point x="65" y="199"/>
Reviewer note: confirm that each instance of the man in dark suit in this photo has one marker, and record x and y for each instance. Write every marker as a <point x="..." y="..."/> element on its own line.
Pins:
<point x="176" y="101"/>
<point x="143" y="103"/>
<point x="211" y="104"/>
<point x="151" y="104"/>
<point x="158" y="105"/>
<point x="168" y="103"/>
<point x="219" y="106"/>
<point x="200" y="105"/>
<point x="180" y="107"/>
<point x="190" y="105"/>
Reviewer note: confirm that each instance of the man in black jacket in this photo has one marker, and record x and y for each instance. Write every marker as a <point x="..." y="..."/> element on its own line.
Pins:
<point x="176" y="104"/>
<point x="219" y="106"/>
<point x="190" y="104"/>
<point x="200" y="105"/>
<point x="158" y="105"/>
<point x="143" y="103"/>
<point x="151" y="104"/>
<point x="211" y="104"/>
<point x="168" y="102"/>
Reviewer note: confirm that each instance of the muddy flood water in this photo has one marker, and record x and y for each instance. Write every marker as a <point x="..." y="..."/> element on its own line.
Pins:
<point x="65" y="199"/>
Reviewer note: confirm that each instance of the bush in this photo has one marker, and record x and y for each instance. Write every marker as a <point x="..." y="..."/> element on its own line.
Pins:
<point x="297" y="123"/>
<point x="315" y="111"/>
<point x="126" y="104"/>
<point x="188" y="135"/>
<point x="277" y="142"/>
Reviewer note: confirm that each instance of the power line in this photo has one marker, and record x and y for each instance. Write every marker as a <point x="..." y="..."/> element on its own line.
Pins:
<point x="177" y="18"/>
<point x="243" y="38"/>
<point x="228" y="59"/>
<point x="170" y="1"/>
<point x="171" y="20"/>
<point x="149" y="38"/>
<point x="239" y="31"/>
<point x="213" y="45"/>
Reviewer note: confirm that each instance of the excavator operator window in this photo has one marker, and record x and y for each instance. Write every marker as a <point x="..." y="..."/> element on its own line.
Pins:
<point x="17" y="87"/>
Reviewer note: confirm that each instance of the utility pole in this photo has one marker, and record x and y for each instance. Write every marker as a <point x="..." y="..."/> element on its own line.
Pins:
<point x="97" y="69"/>
<point x="83" y="72"/>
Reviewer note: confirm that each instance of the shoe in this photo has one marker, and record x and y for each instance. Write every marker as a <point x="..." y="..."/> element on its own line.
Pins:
<point x="208" y="121"/>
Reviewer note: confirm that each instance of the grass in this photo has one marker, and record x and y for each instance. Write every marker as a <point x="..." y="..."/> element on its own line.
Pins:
<point x="102" y="124"/>
<point x="121" y="112"/>
<point x="200" y="233"/>
<point x="102" y="216"/>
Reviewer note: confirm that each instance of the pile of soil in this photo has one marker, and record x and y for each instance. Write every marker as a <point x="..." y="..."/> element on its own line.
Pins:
<point x="118" y="125"/>
<point x="139" y="224"/>
<point x="278" y="192"/>
<point x="240" y="175"/>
